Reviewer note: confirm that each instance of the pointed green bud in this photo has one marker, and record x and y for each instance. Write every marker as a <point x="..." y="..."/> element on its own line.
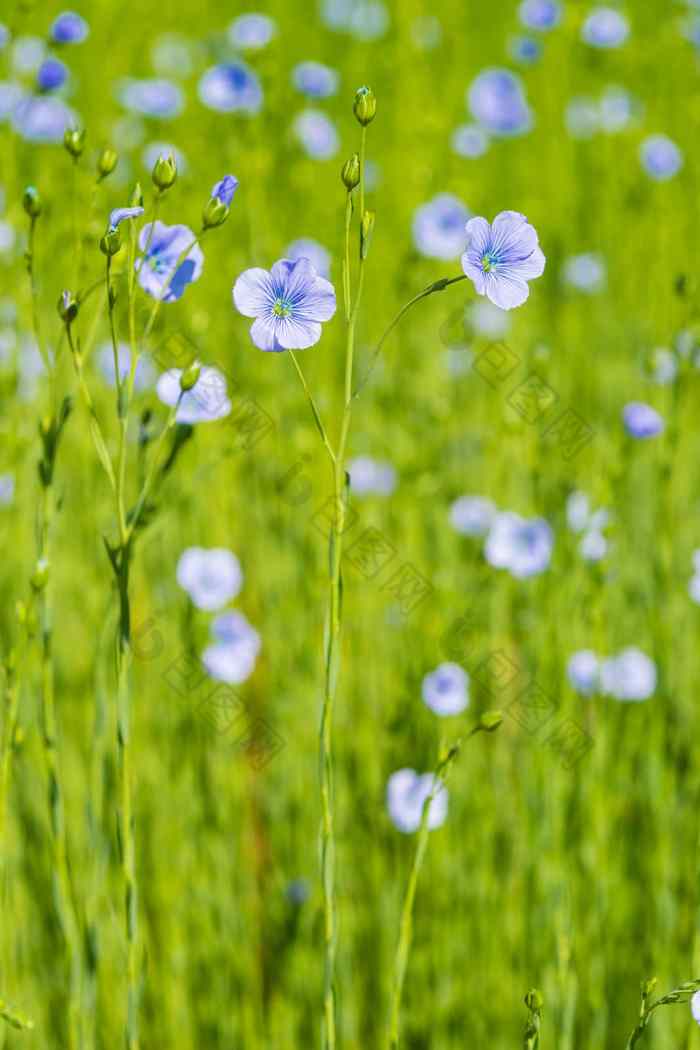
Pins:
<point x="106" y="162"/>
<point x="365" y="106"/>
<point x="74" y="141"/>
<point x="366" y="231"/>
<point x="534" y="1001"/>
<point x="490" y="721"/>
<point x="190" y="376"/>
<point x="112" y="241"/>
<point x="67" y="307"/>
<point x="136" y="197"/>
<point x="350" y="172"/>
<point x="40" y="576"/>
<point x="164" y="173"/>
<point x="215" y="213"/>
<point x="31" y="202"/>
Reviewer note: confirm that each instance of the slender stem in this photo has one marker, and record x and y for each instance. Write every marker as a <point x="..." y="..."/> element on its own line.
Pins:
<point x="314" y="409"/>
<point x="436" y="286"/>
<point x="152" y="470"/>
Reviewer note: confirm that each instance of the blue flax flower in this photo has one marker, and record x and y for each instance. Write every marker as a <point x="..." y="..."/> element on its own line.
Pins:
<point x="52" y="75"/>
<point x="231" y="87"/>
<point x="605" y="28"/>
<point x="641" y="420"/>
<point x="502" y="257"/>
<point x="496" y="99"/>
<point x="660" y="157"/>
<point x="225" y="189"/>
<point x="118" y="215"/>
<point x="69" y="28"/>
<point x="158" y="271"/>
<point x="289" y="303"/>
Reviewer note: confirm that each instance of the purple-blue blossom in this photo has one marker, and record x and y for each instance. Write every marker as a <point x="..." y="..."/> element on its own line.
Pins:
<point x="641" y="420"/>
<point x="630" y="675"/>
<point x="252" y="31"/>
<point x="438" y="227"/>
<point x="469" y="140"/>
<point x="520" y="545"/>
<point x="151" y="98"/>
<point x="540" y="14"/>
<point x="446" y="689"/>
<point x="583" y="672"/>
<point x="502" y="257"/>
<point x="231" y="87"/>
<point x="289" y="303"/>
<point x="496" y="99"/>
<point x="317" y="134"/>
<point x="307" y="248"/>
<point x="161" y="272"/>
<point x="42" y="118"/>
<point x="211" y="577"/>
<point x="225" y="189"/>
<point x="69" y="28"/>
<point x="52" y="75"/>
<point x="605" y="28"/>
<point x="661" y="158"/>
<point x="407" y="793"/>
<point x="205" y="402"/>
<point x="315" y="80"/>
<point x="118" y="215"/>
<point x="232" y="656"/>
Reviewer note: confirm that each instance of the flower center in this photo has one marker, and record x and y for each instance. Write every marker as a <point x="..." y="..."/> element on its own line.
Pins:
<point x="488" y="261"/>
<point x="282" y="307"/>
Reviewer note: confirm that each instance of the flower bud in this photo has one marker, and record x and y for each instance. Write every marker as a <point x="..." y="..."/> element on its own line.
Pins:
<point x="112" y="241"/>
<point x="365" y="106"/>
<point x="490" y="721"/>
<point x="215" y="213"/>
<point x="190" y="376"/>
<point x="67" y="307"/>
<point x="74" y="141"/>
<point x="40" y="576"/>
<point x="31" y="202"/>
<point x="164" y="173"/>
<point x="107" y="162"/>
<point x="366" y="231"/>
<point x="350" y="173"/>
<point x="534" y="1000"/>
<point x="137" y="197"/>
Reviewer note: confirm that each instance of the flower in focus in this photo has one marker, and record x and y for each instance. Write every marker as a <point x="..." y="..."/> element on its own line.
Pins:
<point x="583" y="672"/>
<point x="118" y="215"/>
<point x="540" y="14"/>
<point x="231" y="87"/>
<point x="502" y="257"/>
<point x="205" y="402"/>
<point x="317" y="134"/>
<point x="630" y="675"/>
<point x="469" y="140"/>
<point x="438" y="227"/>
<point x="446" y="689"/>
<point x="52" y="75"/>
<point x="585" y="272"/>
<point x="225" y="189"/>
<point x="496" y="99"/>
<point x="69" y="28"/>
<point x="371" y="476"/>
<point x="641" y="420"/>
<point x="522" y="546"/>
<point x="211" y="577"/>
<point x="232" y="657"/>
<point x="606" y="28"/>
<point x="307" y="248"/>
<point x="151" y="98"/>
<point x="406" y="794"/>
<point x="660" y="157"/>
<point x="161" y="273"/>
<point x="251" y="31"/>
<point x="472" y="515"/>
<point x="289" y="304"/>
<point x="315" y="80"/>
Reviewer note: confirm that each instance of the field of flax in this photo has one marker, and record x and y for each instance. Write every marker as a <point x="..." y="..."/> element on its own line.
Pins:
<point x="349" y="669"/>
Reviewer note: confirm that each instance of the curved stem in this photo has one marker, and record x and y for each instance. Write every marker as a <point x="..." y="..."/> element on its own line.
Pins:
<point x="314" y="409"/>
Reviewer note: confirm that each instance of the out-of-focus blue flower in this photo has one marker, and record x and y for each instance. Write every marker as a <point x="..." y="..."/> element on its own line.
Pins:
<point x="365" y="19"/>
<point x="406" y="794"/>
<point x="438" y="227"/>
<point x="606" y="28"/>
<point x="69" y="28"/>
<point x="232" y="657"/>
<point x="289" y="304"/>
<point x="158" y="270"/>
<point x="154" y="150"/>
<point x="489" y="320"/>
<point x="585" y="272"/>
<point x="660" y="157"/>
<point x="593" y="546"/>
<point x="520" y="545"/>
<point x="120" y="214"/>
<point x="11" y="95"/>
<point x="206" y="402"/>
<point x="211" y="577"/>
<point x="315" y="80"/>
<point x="371" y="476"/>
<point x="144" y="376"/>
<point x="298" y="891"/>
<point x="306" y="248"/>
<point x="251" y="31"/>
<point x="4" y="36"/>
<point x="617" y="109"/>
<point x="496" y="99"/>
<point x="502" y="257"/>
<point x="231" y="87"/>
<point x="540" y="14"/>
<point x="469" y="140"/>
<point x="28" y="52"/>
<point x="525" y="50"/>
<point x="664" y="365"/>
<point x="446" y="689"/>
<point x="472" y="515"/>
<point x="42" y="118"/>
<point x="630" y="675"/>
<point x="695" y="1007"/>
<point x="52" y="75"/>
<point x="583" y="672"/>
<point x="694" y="585"/>
<point x="641" y="420"/>
<point x="317" y="134"/>
<point x="151" y="98"/>
<point x="7" y="489"/>
<point x="582" y="117"/>
<point x="7" y="237"/>
<point x="225" y="189"/>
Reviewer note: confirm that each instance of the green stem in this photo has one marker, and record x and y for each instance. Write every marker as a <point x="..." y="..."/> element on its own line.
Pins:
<point x="314" y="409"/>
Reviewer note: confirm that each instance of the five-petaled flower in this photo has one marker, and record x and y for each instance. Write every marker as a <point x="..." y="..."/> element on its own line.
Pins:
<point x="289" y="302"/>
<point x="502" y="257"/>
<point x="172" y="259"/>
